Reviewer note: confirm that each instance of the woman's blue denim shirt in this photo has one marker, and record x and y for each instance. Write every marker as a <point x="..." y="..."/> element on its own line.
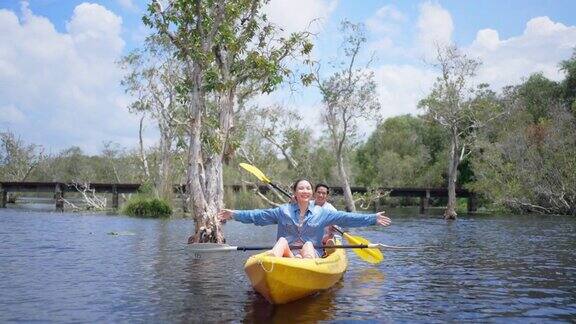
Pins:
<point x="312" y="229"/>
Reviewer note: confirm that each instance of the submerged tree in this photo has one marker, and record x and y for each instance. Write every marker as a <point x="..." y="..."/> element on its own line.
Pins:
<point x="225" y="47"/>
<point x="456" y="107"/>
<point x="349" y="96"/>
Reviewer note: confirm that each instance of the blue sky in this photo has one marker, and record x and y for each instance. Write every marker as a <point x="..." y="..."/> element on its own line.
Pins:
<point x="59" y="84"/>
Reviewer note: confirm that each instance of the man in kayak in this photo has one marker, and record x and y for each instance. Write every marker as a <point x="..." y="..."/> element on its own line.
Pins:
<point x="300" y="223"/>
<point x="321" y="193"/>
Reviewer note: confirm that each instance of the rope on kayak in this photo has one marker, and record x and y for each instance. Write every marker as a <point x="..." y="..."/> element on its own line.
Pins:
<point x="264" y="268"/>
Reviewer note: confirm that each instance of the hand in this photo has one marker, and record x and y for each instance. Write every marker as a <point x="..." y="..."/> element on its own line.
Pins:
<point x="225" y="214"/>
<point x="382" y="219"/>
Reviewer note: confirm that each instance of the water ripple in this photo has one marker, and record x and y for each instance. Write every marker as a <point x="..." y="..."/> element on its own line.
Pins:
<point x="66" y="268"/>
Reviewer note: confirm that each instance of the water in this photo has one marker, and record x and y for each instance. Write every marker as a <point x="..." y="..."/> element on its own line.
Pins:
<point x="67" y="268"/>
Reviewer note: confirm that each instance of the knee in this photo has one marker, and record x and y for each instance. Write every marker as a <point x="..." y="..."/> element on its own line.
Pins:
<point x="308" y="250"/>
<point x="282" y="242"/>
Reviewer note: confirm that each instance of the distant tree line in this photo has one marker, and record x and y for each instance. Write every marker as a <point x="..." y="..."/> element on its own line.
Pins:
<point x="524" y="160"/>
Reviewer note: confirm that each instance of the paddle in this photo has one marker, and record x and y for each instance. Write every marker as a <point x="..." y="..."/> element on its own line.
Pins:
<point x="367" y="253"/>
<point x="199" y="249"/>
<point x="215" y="247"/>
<point x="262" y="177"/>
<point x="370" y="255"/>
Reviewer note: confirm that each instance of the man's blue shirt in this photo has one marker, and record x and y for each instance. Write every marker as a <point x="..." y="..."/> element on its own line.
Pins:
<point x="312" y="229"/>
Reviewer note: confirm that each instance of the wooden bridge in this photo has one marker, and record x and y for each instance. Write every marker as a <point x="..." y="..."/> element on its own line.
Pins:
<point x="60" y="189"/>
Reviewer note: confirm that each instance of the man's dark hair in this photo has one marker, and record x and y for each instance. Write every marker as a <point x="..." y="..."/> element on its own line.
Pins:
<point x="322" y="185"/>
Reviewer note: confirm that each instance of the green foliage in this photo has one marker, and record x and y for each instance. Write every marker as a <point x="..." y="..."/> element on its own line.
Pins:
<point x="146" y="189"/>
<point x="569" y="84"/>
<point x="397" y="154"/>
<point x="461" y="205"/>
<point x="528" y="163"/>
<point x="537" y="95"/>
<point x="243" y="199"/>
<point x="146" y="206"/>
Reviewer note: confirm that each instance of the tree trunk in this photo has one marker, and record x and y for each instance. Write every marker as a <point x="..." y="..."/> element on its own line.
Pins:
<point x="165" y="190"/>
<point x="453" y="162"/>
<point x="205" y="177"/>
<point x="143" y="158"/>
<point x="204" y="216"/>
<point x="348" y="199"/>
<point x="202" y="186"/>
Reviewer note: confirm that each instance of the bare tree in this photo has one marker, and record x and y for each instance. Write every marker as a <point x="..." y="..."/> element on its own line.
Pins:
<point x="18" y="159"/>
<point x="349" y="96"/>
<point x="283" y="128"/>
<point x="153" y="77"/>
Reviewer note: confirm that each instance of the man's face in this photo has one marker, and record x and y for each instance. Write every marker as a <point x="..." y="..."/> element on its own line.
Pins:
<point x="320" y="196"/>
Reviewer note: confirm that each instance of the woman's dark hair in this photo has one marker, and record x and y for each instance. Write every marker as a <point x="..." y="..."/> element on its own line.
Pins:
<point x="298" y="181"/>
<point x="320" y="185"/>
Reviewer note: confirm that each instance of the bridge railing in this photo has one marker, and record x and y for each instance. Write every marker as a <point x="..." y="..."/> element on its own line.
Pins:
<point x="60" y="188"/>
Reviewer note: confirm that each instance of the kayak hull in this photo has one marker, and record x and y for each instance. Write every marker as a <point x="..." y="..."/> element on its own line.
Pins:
<point x="282" y="280"/>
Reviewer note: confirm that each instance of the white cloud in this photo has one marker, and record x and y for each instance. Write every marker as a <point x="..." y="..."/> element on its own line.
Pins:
<point x="386" y="20"/>
<point x="128" y="4"/>
<point x="299" y="15"/>
<point x="487" y="39"/>
<point x="63" y="88"/>
<point x="435" y="27"/>
<point x="540" y="48"/>
<point x="386" y="25"/>
<point x="400" y="87"/>
<point x="11" y="115"/>
<point x="95" y="32"/>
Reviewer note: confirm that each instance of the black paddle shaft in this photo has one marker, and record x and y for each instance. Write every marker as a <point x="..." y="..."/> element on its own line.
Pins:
<point x="256" y="248"/>
<point x="281" y="190"/>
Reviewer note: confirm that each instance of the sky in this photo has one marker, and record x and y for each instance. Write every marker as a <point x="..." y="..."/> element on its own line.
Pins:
<point x="60" y="84"/>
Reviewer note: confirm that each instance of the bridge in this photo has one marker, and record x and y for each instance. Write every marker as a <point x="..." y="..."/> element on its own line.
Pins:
<point x="61" y="188"/>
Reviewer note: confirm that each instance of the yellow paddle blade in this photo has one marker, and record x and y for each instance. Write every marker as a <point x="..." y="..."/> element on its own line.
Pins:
<point x="256" y="172"/>
<point x="373" y="255"/>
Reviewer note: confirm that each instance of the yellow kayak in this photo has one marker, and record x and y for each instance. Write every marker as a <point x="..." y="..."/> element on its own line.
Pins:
<point x="282" y="280"/>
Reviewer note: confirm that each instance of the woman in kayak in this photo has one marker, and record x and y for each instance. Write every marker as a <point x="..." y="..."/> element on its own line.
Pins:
<point x="301" y="223"/>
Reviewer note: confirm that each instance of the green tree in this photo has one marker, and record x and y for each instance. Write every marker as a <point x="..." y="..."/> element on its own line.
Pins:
<point x="537" y="95"/>
<point x="569" y="83"/>
<point x="528" y="157"/>
<point x="396" y="155"/>
<point x="228" y="51"/>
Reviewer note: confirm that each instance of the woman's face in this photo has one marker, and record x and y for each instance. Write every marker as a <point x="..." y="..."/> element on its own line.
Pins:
<point x="303" y="191"/>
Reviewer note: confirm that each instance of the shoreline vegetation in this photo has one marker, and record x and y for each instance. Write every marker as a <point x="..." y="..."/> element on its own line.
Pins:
<point x="138" y="204"/>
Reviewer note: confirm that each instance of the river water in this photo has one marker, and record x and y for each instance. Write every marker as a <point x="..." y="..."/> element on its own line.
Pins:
<point x="64" y="267"/>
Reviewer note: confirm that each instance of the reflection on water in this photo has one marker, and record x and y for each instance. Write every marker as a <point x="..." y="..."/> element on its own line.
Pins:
<point x="318" y="307"/>
<point x="65" y="268"/>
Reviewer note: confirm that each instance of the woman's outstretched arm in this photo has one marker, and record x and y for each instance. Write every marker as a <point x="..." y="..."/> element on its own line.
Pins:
<point x="356" y="219"/>
<point x="259" y="217"/>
